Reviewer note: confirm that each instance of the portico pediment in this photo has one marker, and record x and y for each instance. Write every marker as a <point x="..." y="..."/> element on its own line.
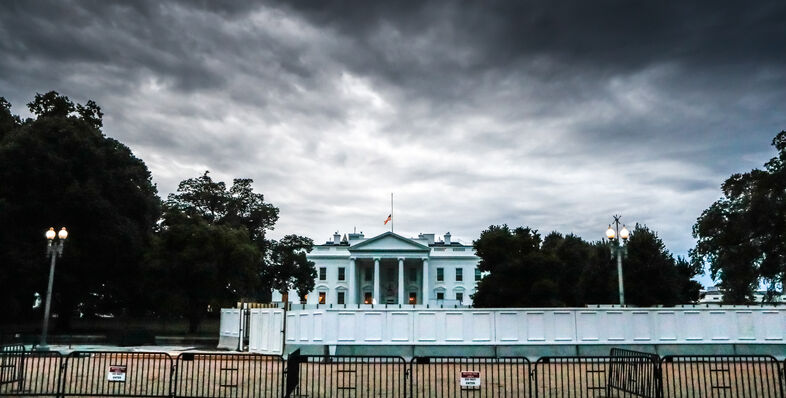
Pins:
<point x="389" y="242"/>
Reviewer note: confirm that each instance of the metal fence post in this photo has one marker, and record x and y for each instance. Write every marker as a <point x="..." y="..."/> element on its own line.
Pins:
<point x="292" y="375"/>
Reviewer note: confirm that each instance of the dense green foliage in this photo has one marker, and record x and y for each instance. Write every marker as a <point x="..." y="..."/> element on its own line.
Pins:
<point x="197" y="264"/>
<point x="742" y="236"/>
<point x="287" y="266"/>
<point x="239" y="206"/>
<point x="527" y="271"/>
<point x="58" y="169"/>
<point x="283" y="263"/>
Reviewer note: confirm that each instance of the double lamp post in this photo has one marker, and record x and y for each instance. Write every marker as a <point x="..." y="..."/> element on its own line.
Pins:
<point x="618" y="249"/>
<point x="53" y="250"/>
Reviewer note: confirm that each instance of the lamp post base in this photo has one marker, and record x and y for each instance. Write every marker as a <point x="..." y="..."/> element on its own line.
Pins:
<point x="42" y="348"/>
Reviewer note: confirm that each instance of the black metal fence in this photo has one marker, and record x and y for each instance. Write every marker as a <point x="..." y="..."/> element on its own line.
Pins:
<point x="623" y="373"/>
<point x="11" y="365"/>
<point x="469" y="377"/>
<point x="207" y="375"/>
<point x="350" y="376"/>
<point x="595" y="376"/>
<point x="117" y="374"/>
<point x="31" y="373"/>
<point x="722" y="376"/>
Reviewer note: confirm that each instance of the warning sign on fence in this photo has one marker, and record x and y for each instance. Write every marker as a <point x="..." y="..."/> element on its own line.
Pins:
<point x="117" y="373"/>
<point x="470" y="380"/>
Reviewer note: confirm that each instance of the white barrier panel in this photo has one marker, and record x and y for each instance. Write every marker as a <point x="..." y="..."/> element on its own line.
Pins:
<point x="230" y="322"/>
<point x="229" y="329"/>
<point x="265" y="327"/>
<point x="535" y="326"/>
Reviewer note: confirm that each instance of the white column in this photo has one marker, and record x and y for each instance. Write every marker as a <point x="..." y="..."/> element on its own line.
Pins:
<point x="424" y="300"/>
<point x="376" y="280"/>
<point x="401" y="280"/>
<point x="352" y="299"/>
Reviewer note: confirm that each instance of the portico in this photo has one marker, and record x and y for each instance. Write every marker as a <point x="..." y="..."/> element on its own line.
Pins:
<point x="391" y="267"/>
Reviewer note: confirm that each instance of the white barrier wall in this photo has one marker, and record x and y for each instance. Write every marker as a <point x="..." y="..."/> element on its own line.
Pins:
<point x="265" y="328"/>
<point x="229" y="328"/>
<point x="535" y="326"/>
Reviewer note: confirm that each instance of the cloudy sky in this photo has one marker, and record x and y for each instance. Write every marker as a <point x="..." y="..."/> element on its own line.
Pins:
<point x="554" y="116"/>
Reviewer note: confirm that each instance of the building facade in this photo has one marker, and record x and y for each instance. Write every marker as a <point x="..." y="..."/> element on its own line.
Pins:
<point x="392" y="269"/>
<point x="714" y="295"/>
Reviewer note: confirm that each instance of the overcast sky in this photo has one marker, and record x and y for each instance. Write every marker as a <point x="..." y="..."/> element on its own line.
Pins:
<point x="553" y="115"/>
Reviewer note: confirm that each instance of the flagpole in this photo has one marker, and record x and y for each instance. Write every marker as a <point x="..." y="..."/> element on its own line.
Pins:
<point x="391" y="212"/>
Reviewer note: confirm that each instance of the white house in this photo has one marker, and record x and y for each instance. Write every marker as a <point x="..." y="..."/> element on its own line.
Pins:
<point x="392" y="269"/>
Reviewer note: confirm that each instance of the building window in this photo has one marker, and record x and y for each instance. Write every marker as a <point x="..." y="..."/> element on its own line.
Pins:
<point x="340" y="297"/>
<point x="440" y="296"/>
<point x="367" y="275"/>
<point x="459" y="274"/>
<point x="440" y="274"/>
<point x="322" y="297"/>
<point x="460" y="297"/>
<point x="367" y="298"/>
<point x="413" y="275"/>
<point x="413" y="298"/>
<point x="477" y="274"/>
<point x="341" y="273"/>
<point x="322" y="273"/>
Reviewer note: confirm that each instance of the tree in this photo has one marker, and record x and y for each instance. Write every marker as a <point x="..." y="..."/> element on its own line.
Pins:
<point x="200" y="264"/>
<point x="8" y="121"/>
<point x="597" y="283"/>
<point x="742" y="236"/>
<point x="520" y="275"/>
<point x="652" y="275"/>
<point x="237" y="206"/>
<point x="59" y="169"/>
<point x="288" y="268"/>
<point x="282" y="264"/>
<point x="574" y="256"/>
<point x="568" y="271"/>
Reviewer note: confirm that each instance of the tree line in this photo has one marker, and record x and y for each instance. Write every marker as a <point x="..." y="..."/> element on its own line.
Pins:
<point x="129" y="251"/>
<point x="525" y="270"/>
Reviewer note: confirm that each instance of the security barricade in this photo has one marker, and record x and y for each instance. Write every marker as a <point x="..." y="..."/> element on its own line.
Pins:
<point x="469" y="377"/>
<point x="623" y="373"/>
<point x="593" y="376"/>
<point x="215" y="375"/>
<point x="117" y="374"/>
<point x="11" y="363"/>
<point x="739" y="376"/>
<point x="350" y="376"/>
<point x="30" y="373"/>
<point x="635" y="372"/>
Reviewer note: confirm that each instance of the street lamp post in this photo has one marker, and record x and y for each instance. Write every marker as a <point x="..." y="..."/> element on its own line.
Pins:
<point x="618" y="249"/>
<point x="53" y="251"/>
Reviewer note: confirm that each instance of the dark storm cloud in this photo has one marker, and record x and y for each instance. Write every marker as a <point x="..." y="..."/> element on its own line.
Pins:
<point x="611" y="35"/>
<point x="553" y="115"/>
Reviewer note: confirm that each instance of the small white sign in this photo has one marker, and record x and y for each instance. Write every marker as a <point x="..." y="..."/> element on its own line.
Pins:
<point x="470" y="380"/>
<point x="117" y="373"/>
